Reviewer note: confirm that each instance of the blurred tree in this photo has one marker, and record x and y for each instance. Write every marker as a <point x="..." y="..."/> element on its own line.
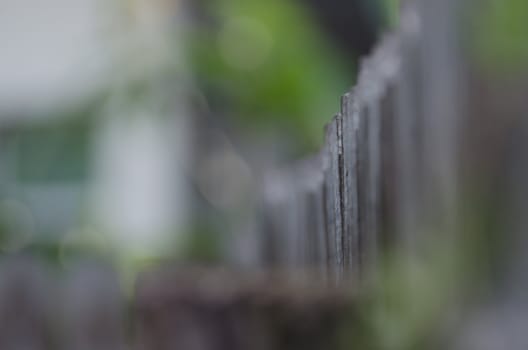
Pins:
<point x="500" y="35"/>
<point x="266" y="64"/>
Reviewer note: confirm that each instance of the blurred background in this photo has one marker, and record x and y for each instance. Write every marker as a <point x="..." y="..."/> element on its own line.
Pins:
<point x="134" y="132"/>
<point x="138" y="130"/>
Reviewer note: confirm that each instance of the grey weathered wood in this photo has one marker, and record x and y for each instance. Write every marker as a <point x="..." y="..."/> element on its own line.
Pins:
<point x="388" y="184"/>
<point x="407" y="128"/>
<point x="309" y="191"/>
<point x="317" y="198"/>
<point x="351" y="230"/>
<point x="334" y="203"/>
<point x="216" y="310"/>
<point x="92" y="306"/>
<point x="274" y="215"/>
<point x="27" y="305"/>
<point x="355" y="158"/>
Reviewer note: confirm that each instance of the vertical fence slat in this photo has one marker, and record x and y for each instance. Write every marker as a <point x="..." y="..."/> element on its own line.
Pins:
<point x="27" y="306"/>
<point x="92" y="309"/>
<point x="334" y="199"/>
<point x="351" y="230"/>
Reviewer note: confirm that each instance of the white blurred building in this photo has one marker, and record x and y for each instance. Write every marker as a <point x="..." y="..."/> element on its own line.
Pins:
<point x="80" y="150"/>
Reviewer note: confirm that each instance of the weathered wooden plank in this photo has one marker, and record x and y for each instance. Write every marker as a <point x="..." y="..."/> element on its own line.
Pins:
<point x="407" y="129"/>
<point x="92" y="308"/>
<point x="441" y="95"/>
<point x="351" y="230"/>
<point x="27" y="305"/>
<point x="310" y="183"/>
<point x="334" y="203"/>
<point x="279" y="220"/>
<point x="388" y="186"/>
<point x="363" y="183"/>
<point x="317" y="199"/>
<point x="389" y="56"/>
<point x="216" y="310"/>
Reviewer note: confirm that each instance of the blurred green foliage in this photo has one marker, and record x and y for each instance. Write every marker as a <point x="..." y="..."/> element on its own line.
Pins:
<point x="202" y="245"/>
<point x="392" y="10"/>
<point x="500" y="35"/>
<point x="268" y="65"/>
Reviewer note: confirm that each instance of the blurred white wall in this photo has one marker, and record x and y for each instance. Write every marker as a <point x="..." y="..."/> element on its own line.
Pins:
<point x="55" y="56"/>
<point x="53" y="53"/>
<point x="139" y="195"/>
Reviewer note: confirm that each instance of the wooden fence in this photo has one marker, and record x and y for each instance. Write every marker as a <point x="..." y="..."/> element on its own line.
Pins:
<point x="425" y="160"/>
<point x="388" y="161"/>
<point x="85" y="307"/>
